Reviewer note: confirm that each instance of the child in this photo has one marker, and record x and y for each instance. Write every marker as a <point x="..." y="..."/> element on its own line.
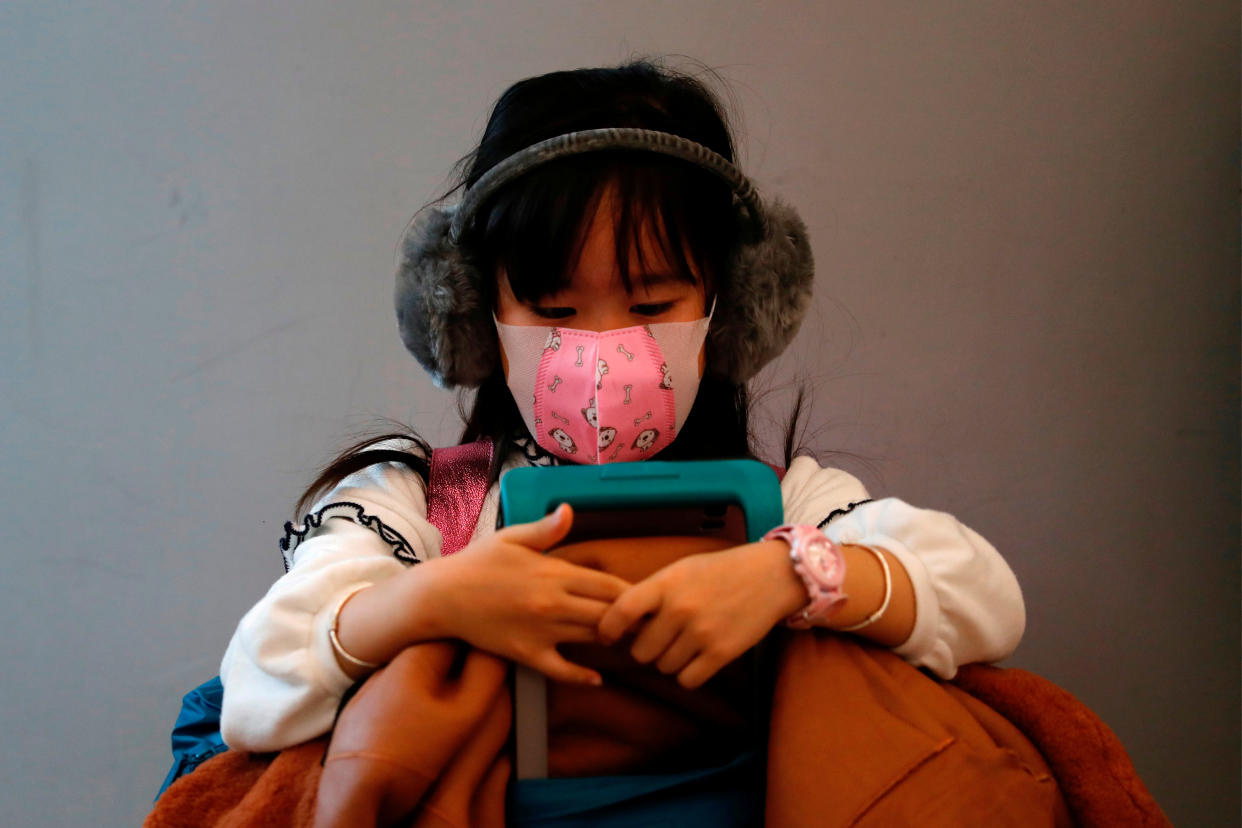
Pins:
<point x="637" y="249"/>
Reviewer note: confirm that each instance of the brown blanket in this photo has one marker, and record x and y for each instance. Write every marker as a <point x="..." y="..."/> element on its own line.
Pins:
<point x="858" y="737"/>
<point x="1091" y="765"/>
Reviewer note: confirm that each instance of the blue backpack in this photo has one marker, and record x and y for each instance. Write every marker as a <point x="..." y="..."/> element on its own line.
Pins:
<point x="196" y="735"/>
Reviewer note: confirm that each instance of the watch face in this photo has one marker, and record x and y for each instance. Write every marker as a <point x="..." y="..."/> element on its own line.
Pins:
<point x="818" y="556"/>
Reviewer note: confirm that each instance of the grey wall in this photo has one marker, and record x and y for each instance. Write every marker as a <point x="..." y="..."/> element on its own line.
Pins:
<point x="1026" y="221"/>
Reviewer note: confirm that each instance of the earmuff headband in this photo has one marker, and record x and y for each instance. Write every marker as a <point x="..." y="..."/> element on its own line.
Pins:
<point x="441" y="298"/>
<point x="594" y="140"/>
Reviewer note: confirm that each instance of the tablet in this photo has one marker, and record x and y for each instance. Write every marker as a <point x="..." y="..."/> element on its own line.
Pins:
<point x="731" y="501"/>
<point x="739" y="499"/>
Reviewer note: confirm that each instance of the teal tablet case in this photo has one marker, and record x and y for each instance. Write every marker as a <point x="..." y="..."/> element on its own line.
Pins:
<point x="527" y="494"/>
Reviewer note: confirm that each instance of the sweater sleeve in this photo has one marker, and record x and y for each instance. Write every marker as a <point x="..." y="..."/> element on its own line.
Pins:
<point x="282" y="683"/>
<point x="969" y="606"/>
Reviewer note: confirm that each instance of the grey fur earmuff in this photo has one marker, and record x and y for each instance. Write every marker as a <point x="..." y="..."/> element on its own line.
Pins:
<point x="446" y="323"/>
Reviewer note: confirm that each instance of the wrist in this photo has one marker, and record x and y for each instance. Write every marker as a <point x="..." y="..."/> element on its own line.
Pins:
<point x="353" y="666"/>
<point x="423" y="594"/>
<point x="788" y="591"/>
<point x="378" y="622"/>
<point x="819" y="565"/>
<point x="871" y="581"/>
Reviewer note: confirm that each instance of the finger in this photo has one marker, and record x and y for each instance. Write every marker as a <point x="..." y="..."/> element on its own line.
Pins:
<point x="582" y="611"/>
<point x="625" y="612"/>
<point x="698" y="671"/>
<point x="544" y="533"/>
<point x="679" y="654"/>
<point x="656" y="636"/>
<point x="575" y="634"/>
<point x="554" y="665"/>
<point x="591" y="583"/>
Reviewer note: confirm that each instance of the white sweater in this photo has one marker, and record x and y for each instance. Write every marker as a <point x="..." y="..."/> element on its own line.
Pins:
<point x="282" y="684"/>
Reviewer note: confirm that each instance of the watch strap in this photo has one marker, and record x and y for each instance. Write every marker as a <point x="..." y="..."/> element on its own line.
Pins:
<point x="821" y="566"/>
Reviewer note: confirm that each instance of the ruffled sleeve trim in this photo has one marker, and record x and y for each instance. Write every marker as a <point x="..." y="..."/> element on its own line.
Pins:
<point x="355" y="513"/>
<point x="844" y="510"/>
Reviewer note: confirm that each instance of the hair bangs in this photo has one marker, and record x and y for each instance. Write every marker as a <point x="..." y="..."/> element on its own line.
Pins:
<point x="535" y="229"/>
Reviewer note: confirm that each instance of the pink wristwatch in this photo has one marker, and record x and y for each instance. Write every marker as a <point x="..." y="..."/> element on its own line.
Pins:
<point x="821" y="567"/>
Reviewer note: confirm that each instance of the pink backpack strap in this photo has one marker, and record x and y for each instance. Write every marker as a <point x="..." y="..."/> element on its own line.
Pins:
<point x="459" y="479"/>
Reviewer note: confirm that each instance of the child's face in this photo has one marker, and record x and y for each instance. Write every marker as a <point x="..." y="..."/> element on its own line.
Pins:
<point x="597" y="300"/>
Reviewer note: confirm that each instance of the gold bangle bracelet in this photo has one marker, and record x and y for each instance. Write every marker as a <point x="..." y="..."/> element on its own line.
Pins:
<point x="336" y="642"/>
<point x="888" y="595"/>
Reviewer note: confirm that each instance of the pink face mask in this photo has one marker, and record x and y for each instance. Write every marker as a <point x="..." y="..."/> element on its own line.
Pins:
<point x="606" y="397"/>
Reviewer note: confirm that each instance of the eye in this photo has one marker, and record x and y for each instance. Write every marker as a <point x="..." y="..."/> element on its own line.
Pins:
<point x="552" y="313"/>
<point x="652" y="309"/>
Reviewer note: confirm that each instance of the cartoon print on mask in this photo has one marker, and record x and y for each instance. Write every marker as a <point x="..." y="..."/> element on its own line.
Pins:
<point x="667" y="381"/>
<point x="646" y="439"/>
<point x="563" y="439"/>
<point x="624" y="381"/>
<point x="591" y="412"/>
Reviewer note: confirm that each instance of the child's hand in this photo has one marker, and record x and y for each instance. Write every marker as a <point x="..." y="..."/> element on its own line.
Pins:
<point x="503" y="595"/>
<point x="705" y="610"/>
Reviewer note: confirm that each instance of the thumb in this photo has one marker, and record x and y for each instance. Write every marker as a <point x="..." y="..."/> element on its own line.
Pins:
<point x="545" y="533"/>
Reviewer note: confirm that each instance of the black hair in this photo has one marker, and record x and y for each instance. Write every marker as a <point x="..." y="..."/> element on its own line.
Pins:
<point x="535" y="226"/>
